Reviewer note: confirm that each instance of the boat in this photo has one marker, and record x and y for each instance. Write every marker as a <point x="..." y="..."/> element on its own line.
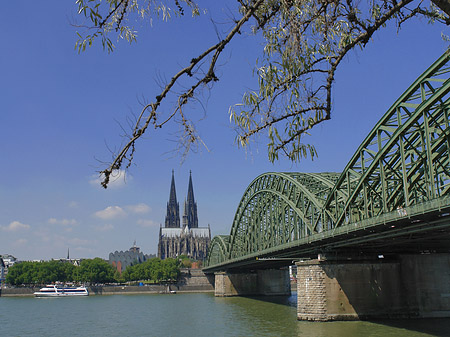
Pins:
<point x="57" y="290"/>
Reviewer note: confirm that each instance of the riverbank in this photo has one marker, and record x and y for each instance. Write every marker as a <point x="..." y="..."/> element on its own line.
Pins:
<point x="191" y="280"/>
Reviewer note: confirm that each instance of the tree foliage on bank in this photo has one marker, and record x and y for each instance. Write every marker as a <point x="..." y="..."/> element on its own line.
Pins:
<point x="154" y="270"/>
<point x="28" y="273"/>
<point x="304" y="42"/>
<point x="92" y="271"/>
<point x="38" y="273"/>
<point x="95" y="271"/>
<point x="185" y="261"/>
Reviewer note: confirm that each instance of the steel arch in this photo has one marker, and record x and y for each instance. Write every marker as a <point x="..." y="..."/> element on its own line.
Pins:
<point x="218" y="251"/>
<point x="278" y="208"/>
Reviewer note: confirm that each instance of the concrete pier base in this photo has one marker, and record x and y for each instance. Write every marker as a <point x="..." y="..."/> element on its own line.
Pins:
<point x="408" y="286"/>
<point x="261" y="282"/>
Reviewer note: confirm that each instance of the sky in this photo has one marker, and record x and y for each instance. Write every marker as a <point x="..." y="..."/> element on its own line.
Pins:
<point x="61" y="114"/>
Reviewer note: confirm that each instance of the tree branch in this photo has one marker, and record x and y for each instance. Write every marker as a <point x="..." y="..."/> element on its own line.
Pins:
<point x="210" y="76"/>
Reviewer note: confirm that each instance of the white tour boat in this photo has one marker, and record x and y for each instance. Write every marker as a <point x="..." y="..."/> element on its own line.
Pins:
<point x="53" y="290"/>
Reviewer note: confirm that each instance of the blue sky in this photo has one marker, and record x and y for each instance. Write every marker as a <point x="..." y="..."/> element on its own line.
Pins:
<point x="61" y="112"/>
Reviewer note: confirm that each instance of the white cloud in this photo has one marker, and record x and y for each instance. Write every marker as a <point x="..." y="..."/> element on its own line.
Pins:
<point x="43" y="235"/>
<point x="81" y="242"/>
<point x="139" y="208"/>
<point x="84" y="250"/>
<point x="73" y="204"/>
<point x="110" y="212"/>
<point x="64" y="222"/>
<point x="59" y="240"/>
<point x="104" y="228"/>
<point x="67" y="222"/>
<point x="117" y="179"/>
<point x="147" y="223"/>
<point x="15" y="226"/>
<point x="20" y="242"/>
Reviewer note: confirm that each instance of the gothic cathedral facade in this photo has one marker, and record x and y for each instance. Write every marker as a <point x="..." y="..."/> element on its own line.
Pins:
<point x="188" y="239"/>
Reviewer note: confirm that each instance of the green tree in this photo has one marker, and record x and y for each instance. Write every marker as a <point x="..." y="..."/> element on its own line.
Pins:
<point x="157" y="271"/>
<point x="139" y="272"/>
<point x="185" y="261"/>
<point x="126" y="274"/>
<point x="304" y="44"/>
<point x="154" y="269"/>
<point x="95" y="271"/>
<point x="119" y="277"/>
<point x="171" y="270"/>
<point x="14" y="274"/>
<point x="40" y="272"/>
<point x="69" y="272"/>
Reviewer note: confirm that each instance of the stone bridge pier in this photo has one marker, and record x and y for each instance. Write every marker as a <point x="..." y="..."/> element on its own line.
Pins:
<point x="406" y="286"/>
<point x="260" y="282"/>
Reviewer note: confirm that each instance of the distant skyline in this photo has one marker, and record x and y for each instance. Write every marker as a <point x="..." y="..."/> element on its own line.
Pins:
<point x="61" y="113"/>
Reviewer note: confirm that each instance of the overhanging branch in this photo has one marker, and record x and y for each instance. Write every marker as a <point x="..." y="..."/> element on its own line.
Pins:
<point x="128" y="149"/>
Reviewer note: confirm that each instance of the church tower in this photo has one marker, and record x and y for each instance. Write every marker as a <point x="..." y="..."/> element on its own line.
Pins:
<point x="190" y="219"/>
<point x="173" y="208"/>
<point x="189" y="240"/>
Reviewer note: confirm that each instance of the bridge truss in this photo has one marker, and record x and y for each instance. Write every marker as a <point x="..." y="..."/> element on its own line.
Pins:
<point x="396" y="185"/>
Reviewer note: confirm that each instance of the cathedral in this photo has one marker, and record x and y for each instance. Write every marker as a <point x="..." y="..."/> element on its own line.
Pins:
<point x="188" y="239"/>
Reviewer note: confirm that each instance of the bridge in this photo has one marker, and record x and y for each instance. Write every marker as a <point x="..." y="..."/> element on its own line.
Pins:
<point x="387" y="215"/>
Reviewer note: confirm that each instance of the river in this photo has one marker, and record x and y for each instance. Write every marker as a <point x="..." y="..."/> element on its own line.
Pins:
<point x="199" y="314"/>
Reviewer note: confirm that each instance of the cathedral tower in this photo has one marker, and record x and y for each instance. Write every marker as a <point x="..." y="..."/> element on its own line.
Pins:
<point x="191" y="240"/>
<point x="190" y="219"/>
<point x="173" y="208"/>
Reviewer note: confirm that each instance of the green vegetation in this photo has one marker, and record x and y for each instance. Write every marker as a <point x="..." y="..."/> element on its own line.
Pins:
<point x="31" y="273"/>
<point x="154" y="270"/>
<point x="40" y="272"/>
<point x="92" y="271"/>
<point x="185" y="261"/>
<point x="95" y="271"/>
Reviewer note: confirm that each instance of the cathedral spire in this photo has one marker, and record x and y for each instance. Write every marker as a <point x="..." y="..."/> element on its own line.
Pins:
<point x="190" y="218"/>
<point x="173" y="192"/>
<point x="173" y="208"/>
<point x="190" y="195"/>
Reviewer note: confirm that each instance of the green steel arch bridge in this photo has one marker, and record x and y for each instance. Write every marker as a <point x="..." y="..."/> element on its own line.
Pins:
<point x="392" y="197"/>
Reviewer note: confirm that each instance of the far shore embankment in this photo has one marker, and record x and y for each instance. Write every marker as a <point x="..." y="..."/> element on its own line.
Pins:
<point x="191" y="280"/>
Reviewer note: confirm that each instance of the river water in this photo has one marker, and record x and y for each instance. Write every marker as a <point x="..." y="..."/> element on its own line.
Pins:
<point x="199" y="314"/>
